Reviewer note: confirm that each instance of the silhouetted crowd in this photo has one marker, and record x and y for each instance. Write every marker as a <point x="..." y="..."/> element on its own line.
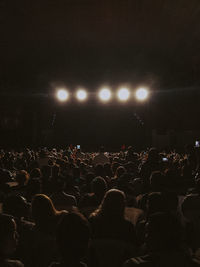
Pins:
<point x="67" y="208"/>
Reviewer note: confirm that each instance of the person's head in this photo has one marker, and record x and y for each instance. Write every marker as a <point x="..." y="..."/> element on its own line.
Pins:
<point x="186" y="171"/>
<point x="114" y="166"/>
<point x="55" y="170"/>
<point x="43" y="210"/>
<point x="99" y="170"/>
<point x="8" y="235"/>
<point x="59" y="185"/>
<point x="156" y="181"/>
<point x="131" y="167"/>
<point x="35" y="173"/>
<point x="153" y="155"/>
<point x="120" y="171"/>
<point x="138" y="186"/>
<point x="172" y="175"/>
<point x="89" y="177"/>
<point x="197" y="184"/>
<point x="130" y="150"/>
<point x="22" y="177"/>
<point x="107" y="169"/>
<point x="73" y="235"/>
<point x="4" y="176"/>
<point x="191" y="207"/>
<point x="102" y="149"/>
<point x="112" y="205"/>
<point x="46" y="171"/>
<point x="16" y="206"/>
<point x="34" y="187"/>
<point x="76" y="172"/>
<point x="163" y="232"/>
<point x="43" y="153"/>
<point x="123" y="180"/>
<point x="99" y="186"/>
<point x="156" y="202"/>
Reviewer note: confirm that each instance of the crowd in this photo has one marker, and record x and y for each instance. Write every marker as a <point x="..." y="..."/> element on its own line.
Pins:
<point x="67" y="208"/>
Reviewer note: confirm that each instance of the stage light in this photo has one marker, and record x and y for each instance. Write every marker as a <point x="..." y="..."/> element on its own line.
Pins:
<point x="142" y="94"/>
<point x="81" y="95"/>
<point x="123" y="94"/>
<point x="105" y="94"/>
<point x="62" y="95"/>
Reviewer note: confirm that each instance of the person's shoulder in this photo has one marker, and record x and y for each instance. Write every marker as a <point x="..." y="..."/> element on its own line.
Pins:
<point x="104" y="156"/>
<point x="12" y="263"/>
<point x="27" y="225"/>
<point x="69" y="196"/>
<point x="72" y="199"/>
<point x="97" y="156"/>
<point x="128" y="223"/>
<point x="94" y="219"/>
<point x="55" y="264"/>
<point x="143" y="261"/>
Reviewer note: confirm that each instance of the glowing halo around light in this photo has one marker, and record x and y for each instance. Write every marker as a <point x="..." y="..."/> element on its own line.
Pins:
<point x="62" y="95"/>
<point x="123" y="94"/>
<point x="142" y="94"/>
<point x="105" y="94"/>
<point x="81" y="95"/>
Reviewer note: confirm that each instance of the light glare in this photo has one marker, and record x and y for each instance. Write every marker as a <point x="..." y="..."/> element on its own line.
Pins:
<point x="105" y="94"/>
<point x="81" y="95"/>
<point x="142" y="94"/>
<point x="123" y="94"/>
<point x="62" y="95"/>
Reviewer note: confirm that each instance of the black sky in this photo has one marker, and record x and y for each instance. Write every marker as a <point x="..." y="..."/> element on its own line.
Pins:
<point x="89" y="42"/>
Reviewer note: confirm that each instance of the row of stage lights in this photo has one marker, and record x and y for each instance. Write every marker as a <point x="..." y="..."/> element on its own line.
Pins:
<point x="104" y="94"/>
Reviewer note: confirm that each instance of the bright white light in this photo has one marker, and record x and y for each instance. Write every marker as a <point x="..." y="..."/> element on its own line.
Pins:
<point x="62" y="95"/>
<point x="81" y="95"/>
<point x="123" y="94"/>
<point x="142" y="94"/>
<point x="105" y="94"/>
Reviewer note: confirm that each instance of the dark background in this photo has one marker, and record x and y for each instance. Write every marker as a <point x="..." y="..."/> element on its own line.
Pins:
<point x="47" y="44"/>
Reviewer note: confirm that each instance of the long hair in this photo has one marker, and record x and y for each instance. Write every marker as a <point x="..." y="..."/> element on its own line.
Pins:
<point x="43" y="210"/>
<point x="112" y="205"/>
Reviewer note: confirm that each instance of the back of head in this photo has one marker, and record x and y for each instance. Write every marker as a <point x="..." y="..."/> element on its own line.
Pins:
<point x="163" y="232"/>
<point x="123" y="181"/>
<point x="46" y="171"/>
<point x="89" y="177"/>
<point x="5" y="176"/>
<point x="197" y="185"/>
<point x="72" y="237"/>
<point x="130" y="149"/>
<point x="102" y="149"/>
<point x="8" y="239"/>
<point x="156" y="202"/>
<point x="107" y="169"/>
<point x="120" y="171"/>
<point x="153" y="154"/>
<point x="157" y="181"/>
<point x="99" y="186"/>
<point x="35" y="173"/>
<point x="113" y="204"/>
<point x="43" y="210"/>
<point x="99" y="170"/>
<point x="22" y="177"/>
<point x="6" y="226"/>
<point x="16" y="206"/>
<point x="191" y="207"/>
<point x="34" y="187"/>
<point x="59" y="185"/>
